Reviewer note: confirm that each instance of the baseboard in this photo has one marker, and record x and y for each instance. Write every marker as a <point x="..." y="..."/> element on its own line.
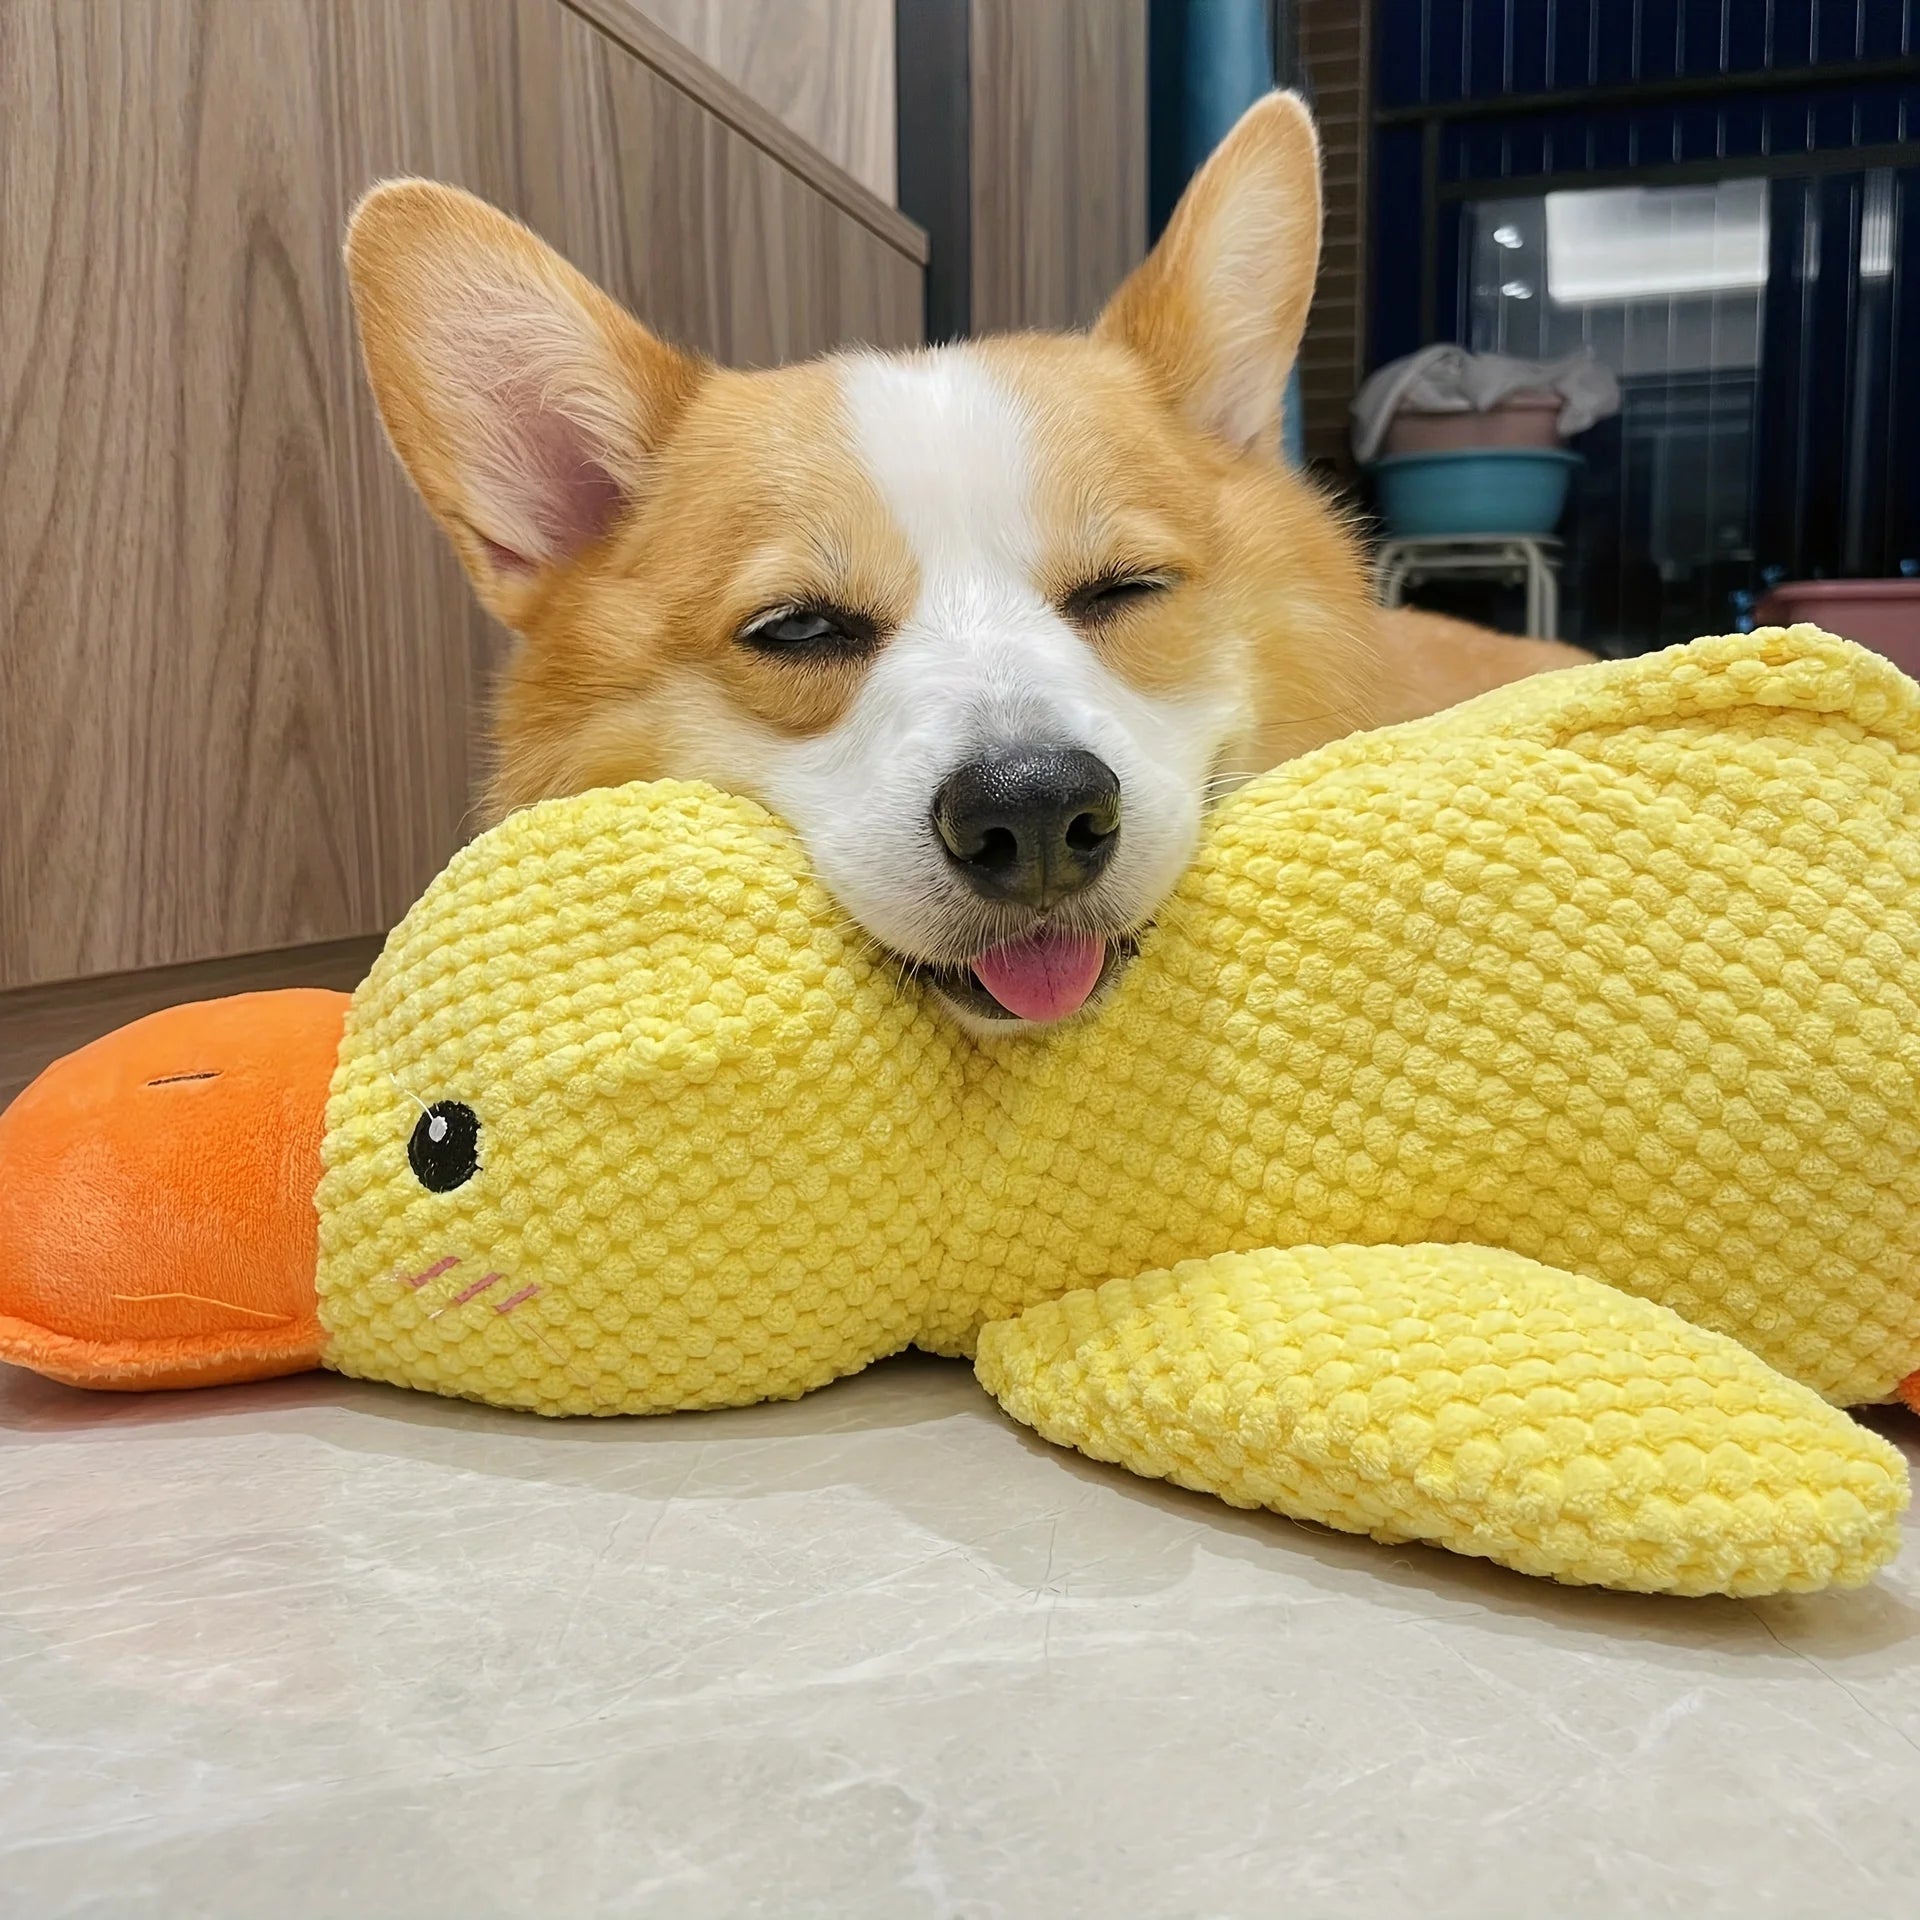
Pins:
<point x="39" y="1024"/>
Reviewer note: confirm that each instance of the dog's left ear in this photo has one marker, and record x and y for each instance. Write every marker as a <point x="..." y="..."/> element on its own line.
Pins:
<point x="1219" y="306"/>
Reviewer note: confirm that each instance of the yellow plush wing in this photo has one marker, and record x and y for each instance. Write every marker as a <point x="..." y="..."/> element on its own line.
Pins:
<point x="1467" y="1397"/>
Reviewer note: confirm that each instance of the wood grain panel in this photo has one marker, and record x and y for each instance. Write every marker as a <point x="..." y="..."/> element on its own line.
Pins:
<point x="628" y="26"/>
<point x="824" y="67"/>
<point x="241" y="680"/>
<point x="689" y="223"/>
<point x="1059" y="91"/>
<point x="178" y="774"/>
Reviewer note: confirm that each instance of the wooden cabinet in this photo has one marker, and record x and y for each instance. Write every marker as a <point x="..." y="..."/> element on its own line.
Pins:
<point x="1059" y="158"/>
<point x="1023" y="149"/>
<point x="239" y="674"/>
<point x="823" y="67"/>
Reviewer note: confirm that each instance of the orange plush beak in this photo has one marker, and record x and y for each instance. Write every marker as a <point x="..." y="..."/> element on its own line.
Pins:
<point x="156" y="1198"/>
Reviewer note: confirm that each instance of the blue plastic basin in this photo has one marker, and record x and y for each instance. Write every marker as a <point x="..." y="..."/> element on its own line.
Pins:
<point x="1479" y="490"/>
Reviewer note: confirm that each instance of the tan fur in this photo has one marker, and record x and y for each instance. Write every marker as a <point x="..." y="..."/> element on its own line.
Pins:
<point x="736" y="493"/>
<point x="742" y="494"/>
<point x="442" y="285"/>
<point x="1250" y="218"/>
<point x="755" y="502"/>
<point x="1428" y="661"/>
<point x="1269" y="595"/>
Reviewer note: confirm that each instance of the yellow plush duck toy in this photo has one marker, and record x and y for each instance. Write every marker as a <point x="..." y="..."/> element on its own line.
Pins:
<point x="1508" y="1138"/>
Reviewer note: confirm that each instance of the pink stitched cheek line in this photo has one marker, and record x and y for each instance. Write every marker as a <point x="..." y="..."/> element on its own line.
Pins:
<point x="460" y="1299"/>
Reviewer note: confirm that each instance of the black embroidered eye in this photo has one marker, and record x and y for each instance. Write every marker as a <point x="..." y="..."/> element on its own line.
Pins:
<point x="444" y="1151"/>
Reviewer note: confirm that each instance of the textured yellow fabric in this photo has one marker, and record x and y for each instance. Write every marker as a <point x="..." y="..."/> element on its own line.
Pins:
<point x="1616" y="969"/>
<point x="1464" y="1396"/>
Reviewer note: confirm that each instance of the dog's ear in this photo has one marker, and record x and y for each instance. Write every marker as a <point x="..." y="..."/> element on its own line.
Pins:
<point x="524" y="403"/>
<point x="1217" y="309"/>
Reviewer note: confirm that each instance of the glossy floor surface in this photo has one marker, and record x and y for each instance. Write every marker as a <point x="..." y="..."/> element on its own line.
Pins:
<point x="315" y="1648"/>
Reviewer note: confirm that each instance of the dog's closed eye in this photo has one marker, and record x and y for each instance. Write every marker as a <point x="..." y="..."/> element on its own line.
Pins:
<point x="811" y="633"/>
<point x="1112" y="594"/>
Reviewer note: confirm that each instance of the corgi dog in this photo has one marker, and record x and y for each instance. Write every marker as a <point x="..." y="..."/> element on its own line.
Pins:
<point x="990" y="624"/>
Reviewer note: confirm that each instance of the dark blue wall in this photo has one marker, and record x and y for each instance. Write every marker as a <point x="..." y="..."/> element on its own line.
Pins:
<point x="1445" y="50"/>
<point x="1823" y="89"/>
<point x="1481" y="99"/>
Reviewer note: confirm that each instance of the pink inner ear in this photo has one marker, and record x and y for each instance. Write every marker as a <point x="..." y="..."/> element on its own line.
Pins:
<point x="572" y="498"/>
<point x="541" y="487"/>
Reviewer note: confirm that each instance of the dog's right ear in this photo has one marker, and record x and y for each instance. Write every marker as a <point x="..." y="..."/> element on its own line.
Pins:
<point x="524" y="403"/>
<point x="1218" y="308"/>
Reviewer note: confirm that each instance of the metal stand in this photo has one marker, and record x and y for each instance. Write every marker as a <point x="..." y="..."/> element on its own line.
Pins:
<point x="1525" y="558"/>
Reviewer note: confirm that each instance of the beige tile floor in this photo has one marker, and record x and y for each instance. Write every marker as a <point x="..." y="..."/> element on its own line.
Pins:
<point x="322" y="1649"/>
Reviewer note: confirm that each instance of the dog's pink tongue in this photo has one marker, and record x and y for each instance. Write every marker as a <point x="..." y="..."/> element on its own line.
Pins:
<point x="1045" y="978"/>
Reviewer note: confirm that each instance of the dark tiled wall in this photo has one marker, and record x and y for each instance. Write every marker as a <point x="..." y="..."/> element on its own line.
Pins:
<point x="1435" y="50"/>
<point x="1335" y="47"/>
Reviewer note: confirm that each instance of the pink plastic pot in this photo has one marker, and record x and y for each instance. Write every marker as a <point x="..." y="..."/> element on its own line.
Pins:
<point x="1881" y="614"/>
<point x="1520" y="420"/>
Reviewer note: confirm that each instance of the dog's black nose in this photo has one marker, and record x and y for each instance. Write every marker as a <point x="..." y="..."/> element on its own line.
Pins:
<point x="1032" y="824"/>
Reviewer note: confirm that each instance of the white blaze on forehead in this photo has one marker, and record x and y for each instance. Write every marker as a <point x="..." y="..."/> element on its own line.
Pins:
<point x="949" y="449"/>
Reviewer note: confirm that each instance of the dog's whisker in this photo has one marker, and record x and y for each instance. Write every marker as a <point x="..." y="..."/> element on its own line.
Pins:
<point x="1172" y="915"/>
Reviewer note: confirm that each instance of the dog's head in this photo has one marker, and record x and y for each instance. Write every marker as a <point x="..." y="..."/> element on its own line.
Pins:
<point x="989" y="624"/>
